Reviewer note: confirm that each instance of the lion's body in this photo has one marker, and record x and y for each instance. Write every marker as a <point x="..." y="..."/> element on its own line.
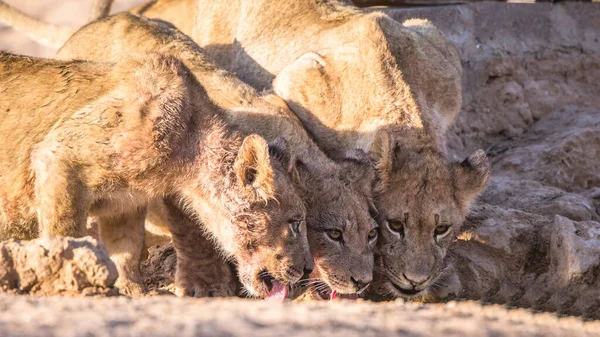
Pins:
<point x="18" y="213"/>
<point x="258" y="39"/>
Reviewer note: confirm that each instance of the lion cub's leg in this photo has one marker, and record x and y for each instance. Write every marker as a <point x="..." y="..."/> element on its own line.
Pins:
<point x="157" y="232"/>
<point x="60" y="197"/>
<point x="123" y="236"/>
<point x="201" y="271"/>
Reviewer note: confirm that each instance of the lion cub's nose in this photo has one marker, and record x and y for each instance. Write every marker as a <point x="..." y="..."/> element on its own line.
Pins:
<point x="307" y="271"/>
<point x="416" y="280"/>
<point x="360" y="285"/>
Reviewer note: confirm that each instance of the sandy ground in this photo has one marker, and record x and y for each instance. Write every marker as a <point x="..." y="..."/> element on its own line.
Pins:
<point x="165" y="316"/>
<point x="532" y="96"/>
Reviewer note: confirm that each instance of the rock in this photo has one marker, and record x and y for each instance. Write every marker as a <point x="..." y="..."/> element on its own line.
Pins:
<point x="528" y="260"/>
<point x="534" y="197"/>
<point x="52" y="266"/>
<point x="575" y="250"/>
<point x="568" y="160"/>
<point x="159" y="270"/>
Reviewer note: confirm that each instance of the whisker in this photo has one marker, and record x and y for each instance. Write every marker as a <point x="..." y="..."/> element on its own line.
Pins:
<point x="307" y="281"/>
<point x="321" y="287"/>
<point x="245" y="293"/>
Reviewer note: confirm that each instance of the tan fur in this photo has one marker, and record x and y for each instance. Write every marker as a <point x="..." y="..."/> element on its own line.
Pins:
<point x="97" y="139"/>
<point x="356" y="78"/>
<point x="337" y="195"/>
<point x="201" y="271"/>
<point x="351" y="75"/>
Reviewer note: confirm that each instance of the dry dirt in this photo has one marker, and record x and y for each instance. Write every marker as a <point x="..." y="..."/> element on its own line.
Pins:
<point x="532" y="98"/>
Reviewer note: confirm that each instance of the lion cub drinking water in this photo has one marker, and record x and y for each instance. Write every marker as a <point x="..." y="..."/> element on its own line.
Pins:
<point x="341" y="232"/>
<point x="82" y="138"/>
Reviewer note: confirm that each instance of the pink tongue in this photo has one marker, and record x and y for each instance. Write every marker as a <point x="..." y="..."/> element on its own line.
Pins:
<point x="334" y="295"/>
<point x="279" y="292"/>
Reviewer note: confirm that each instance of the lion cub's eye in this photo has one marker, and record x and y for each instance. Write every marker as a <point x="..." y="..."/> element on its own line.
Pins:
<point x="441" y="230"/>
<point x="335" y="235"/>
<point x="373" y="234"/>
<point x="295" y="226"/>
<point x="396" y="226"/>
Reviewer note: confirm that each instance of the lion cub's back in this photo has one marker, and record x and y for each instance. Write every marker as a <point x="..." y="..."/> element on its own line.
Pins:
<point x="39" y="97"/>
<point x="38" y="92"/>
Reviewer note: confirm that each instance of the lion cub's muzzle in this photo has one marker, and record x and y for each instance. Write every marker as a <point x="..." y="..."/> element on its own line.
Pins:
<point x="408" y="287"/>
<point x="293" y="274"/>
<point x="275" y="285"/>
<point x="405" y="283"/>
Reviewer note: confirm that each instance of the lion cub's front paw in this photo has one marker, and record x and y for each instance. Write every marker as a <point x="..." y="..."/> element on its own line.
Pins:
<point x="203" y="289"/>
<point x="129" y="287"/>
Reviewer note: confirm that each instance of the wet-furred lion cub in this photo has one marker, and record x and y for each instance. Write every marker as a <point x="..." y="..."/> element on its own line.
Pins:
<point x="82" y="138"/>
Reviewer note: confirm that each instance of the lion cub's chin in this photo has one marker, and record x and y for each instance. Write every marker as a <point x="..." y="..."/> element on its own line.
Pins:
<point x="406" y="293"/>
<point x="330" y="295"/>
<point x="322" y="291"/>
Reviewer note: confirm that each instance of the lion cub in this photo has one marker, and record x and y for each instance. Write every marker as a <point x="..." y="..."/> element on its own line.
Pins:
<point x="341" y="232"/>
<point x="82" y="138"/>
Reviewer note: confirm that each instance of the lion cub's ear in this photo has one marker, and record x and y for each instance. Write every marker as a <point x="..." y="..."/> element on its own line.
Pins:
<point x="280" y="150"/>
<point x="358" y="167"/>
<point x="303" y="84"/>
<point x="472" y="176"/>
<point x="253" y="169"/>
<point x="382" y="156"/>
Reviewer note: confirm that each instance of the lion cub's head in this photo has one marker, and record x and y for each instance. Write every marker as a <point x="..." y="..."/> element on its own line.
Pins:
<point x="342" y="233"/>
<point x="422" y="200"/>
<point x="270" y="246"/>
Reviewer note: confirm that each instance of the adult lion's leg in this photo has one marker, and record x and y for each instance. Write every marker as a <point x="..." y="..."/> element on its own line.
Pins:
<point x="123" y="236"/>
<point x="201" y="272"/>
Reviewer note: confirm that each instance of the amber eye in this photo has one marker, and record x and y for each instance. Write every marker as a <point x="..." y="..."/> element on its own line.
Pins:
<point x="335" y="235"/>
<point x="373" y="234"/>
<point x="396" y="226"/>
<point x="440" y="230"/>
